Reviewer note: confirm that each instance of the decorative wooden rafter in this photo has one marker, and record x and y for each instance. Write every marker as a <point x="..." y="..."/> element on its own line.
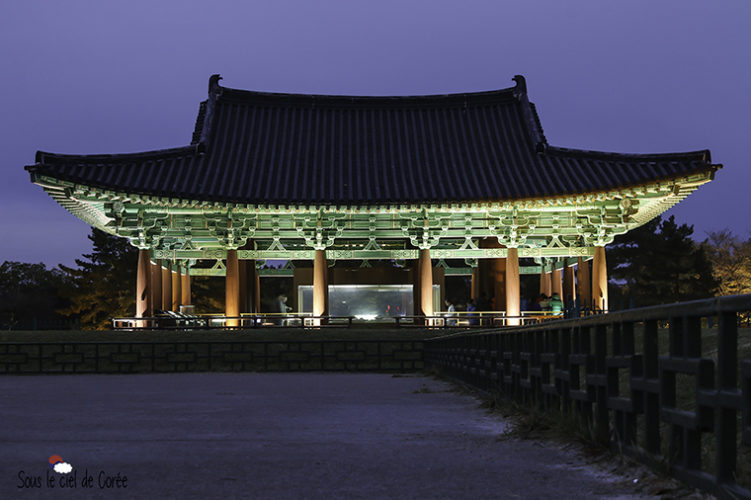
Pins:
<point x="567" y="226"/>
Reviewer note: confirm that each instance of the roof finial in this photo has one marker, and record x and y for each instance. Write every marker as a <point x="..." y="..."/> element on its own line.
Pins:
<point x="521" y="84"/>
<point x="214" y="82"/>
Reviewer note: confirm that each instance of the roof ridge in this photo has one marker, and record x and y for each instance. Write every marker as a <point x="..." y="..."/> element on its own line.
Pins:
<point x="217" y="90"/>
<point x="198" y="127"/>
<point x="529" y="114"/>
<point x="703" y="155"/>
<point x="47" y="158"/>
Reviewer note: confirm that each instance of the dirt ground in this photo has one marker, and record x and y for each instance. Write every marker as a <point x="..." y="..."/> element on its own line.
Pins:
<point x="282" y="435"/>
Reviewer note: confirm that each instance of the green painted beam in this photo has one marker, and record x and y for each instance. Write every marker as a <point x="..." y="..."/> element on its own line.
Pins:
<point x="206" y="272"/>
<point x="530" y="269"/>
<point x="448" y="271"/>
<point x="457" y="271"/>
<point x="263" y="273"/>
<point x="564" y="227"/>
<point x="480" y="253"/>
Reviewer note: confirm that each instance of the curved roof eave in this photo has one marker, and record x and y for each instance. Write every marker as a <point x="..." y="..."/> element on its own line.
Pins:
<point x="484" y="137"/>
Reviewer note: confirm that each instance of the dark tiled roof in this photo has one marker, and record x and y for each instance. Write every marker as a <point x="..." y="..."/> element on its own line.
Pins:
<point x="257" y="147"/>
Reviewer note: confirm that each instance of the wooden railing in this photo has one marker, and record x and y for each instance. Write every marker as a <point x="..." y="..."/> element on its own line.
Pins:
<point x="667" y="384"/>
<point x="460" y="320"/>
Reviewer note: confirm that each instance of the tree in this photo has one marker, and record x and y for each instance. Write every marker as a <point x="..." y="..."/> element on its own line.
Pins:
<point x="29" y="292"/>
<point x="659" y="263"/>
<point x="208" y="293"/>
<point x="731" y="262"/>
<point x="104" y="284"/>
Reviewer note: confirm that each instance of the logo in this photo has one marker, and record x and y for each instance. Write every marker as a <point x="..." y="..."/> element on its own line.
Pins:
<point x="58" y="465"/>
<point x="65" y="476"/>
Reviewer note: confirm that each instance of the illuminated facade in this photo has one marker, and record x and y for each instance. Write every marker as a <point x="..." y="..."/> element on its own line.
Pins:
<point x="420" y="180"/>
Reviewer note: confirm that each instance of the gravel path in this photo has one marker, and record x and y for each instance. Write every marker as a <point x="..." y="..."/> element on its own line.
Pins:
<point x="278" y="436"/>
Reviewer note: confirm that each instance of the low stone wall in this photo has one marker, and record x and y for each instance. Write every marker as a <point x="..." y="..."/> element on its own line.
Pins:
<point x="220" y="356"/>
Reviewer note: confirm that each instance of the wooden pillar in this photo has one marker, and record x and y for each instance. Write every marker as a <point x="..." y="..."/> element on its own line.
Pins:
<point x="585" y="283"/>
<point x="491" y="288"/>
<point x="176" y="291"/>
<point x="546" y="284"/>
<point x="425" y="269"/>
<point x="143" y="302"/>
<point x="255" y="286"/>
<point x="242" y="277"/>
<point x="513" y="288"/>
<point x="185" y="297"/>
<point x="416" y="288"/>
<point x="475" y="285"/>
<point x="499" y="281"/>
<point x="600" y="281"/>
<point x="166" y="285"/>
<point x="542" y="281"/>
<point x="320" y="286"/>
<point x="557" y="275"/>
<point x="250" y="287"/>
<point x="570" y="284"/>
<point x="155" y="283"/>
<point x="232" y="289"/>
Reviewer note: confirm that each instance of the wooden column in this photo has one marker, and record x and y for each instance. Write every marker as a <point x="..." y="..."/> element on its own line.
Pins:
<point x="585" y="283"/>
<point x="513" y="288"/>
<point x="242" y="276"/>
<point x="185" y="297"/>
<point x="499" y="284"/>
<point x="254" y="287"/>
<point x="143" y="304"/>
<point x="425" y="268"/>
<point x="166" y="285"/>
<point x="475" y="284"/>
<point x="176" y="291"/>
<point x="542" y="281"/>
<point x="557" y="275"/>
<point x="416" y="288"/>
<point x="546" y="284"/>
<point x="570" y="284"/>
<point x="491" y="274"/>
<point x="232" y="289"/>
<point x="249" y="283"/>
<point x="155" y="282"/>
<point x="600" y="280"/>
<point x="320" y="286"/>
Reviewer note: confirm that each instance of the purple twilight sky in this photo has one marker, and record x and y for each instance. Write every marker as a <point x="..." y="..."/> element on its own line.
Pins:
<point x="109" y="77"/>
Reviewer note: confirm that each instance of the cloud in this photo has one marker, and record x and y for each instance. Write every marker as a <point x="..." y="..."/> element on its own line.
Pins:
<point x="63" y="467"/>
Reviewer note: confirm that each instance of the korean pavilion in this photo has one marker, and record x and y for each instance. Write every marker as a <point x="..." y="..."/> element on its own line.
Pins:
<point x="420" y="182"/>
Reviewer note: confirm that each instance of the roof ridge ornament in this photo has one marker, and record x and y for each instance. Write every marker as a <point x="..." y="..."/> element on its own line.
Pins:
<point x="214" y="92"/>
<point x="520" y="94"/>
<point x="521" y="86"/>
<point x="214" y="83"/>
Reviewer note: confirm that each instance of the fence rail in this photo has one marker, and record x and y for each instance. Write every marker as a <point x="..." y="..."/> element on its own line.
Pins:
<point x="171" y="320"/>
<point x="653" y="382"/>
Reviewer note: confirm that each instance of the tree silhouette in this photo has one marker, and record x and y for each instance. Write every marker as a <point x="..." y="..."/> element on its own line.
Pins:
<point x="659" y="263"/>
<point x="103" y="284"/>
<point x="731" y="262"/>
<point x="30" y="292"/>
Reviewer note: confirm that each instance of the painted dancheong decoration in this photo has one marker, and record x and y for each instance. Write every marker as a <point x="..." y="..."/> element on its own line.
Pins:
<point x="322" y="178"/>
